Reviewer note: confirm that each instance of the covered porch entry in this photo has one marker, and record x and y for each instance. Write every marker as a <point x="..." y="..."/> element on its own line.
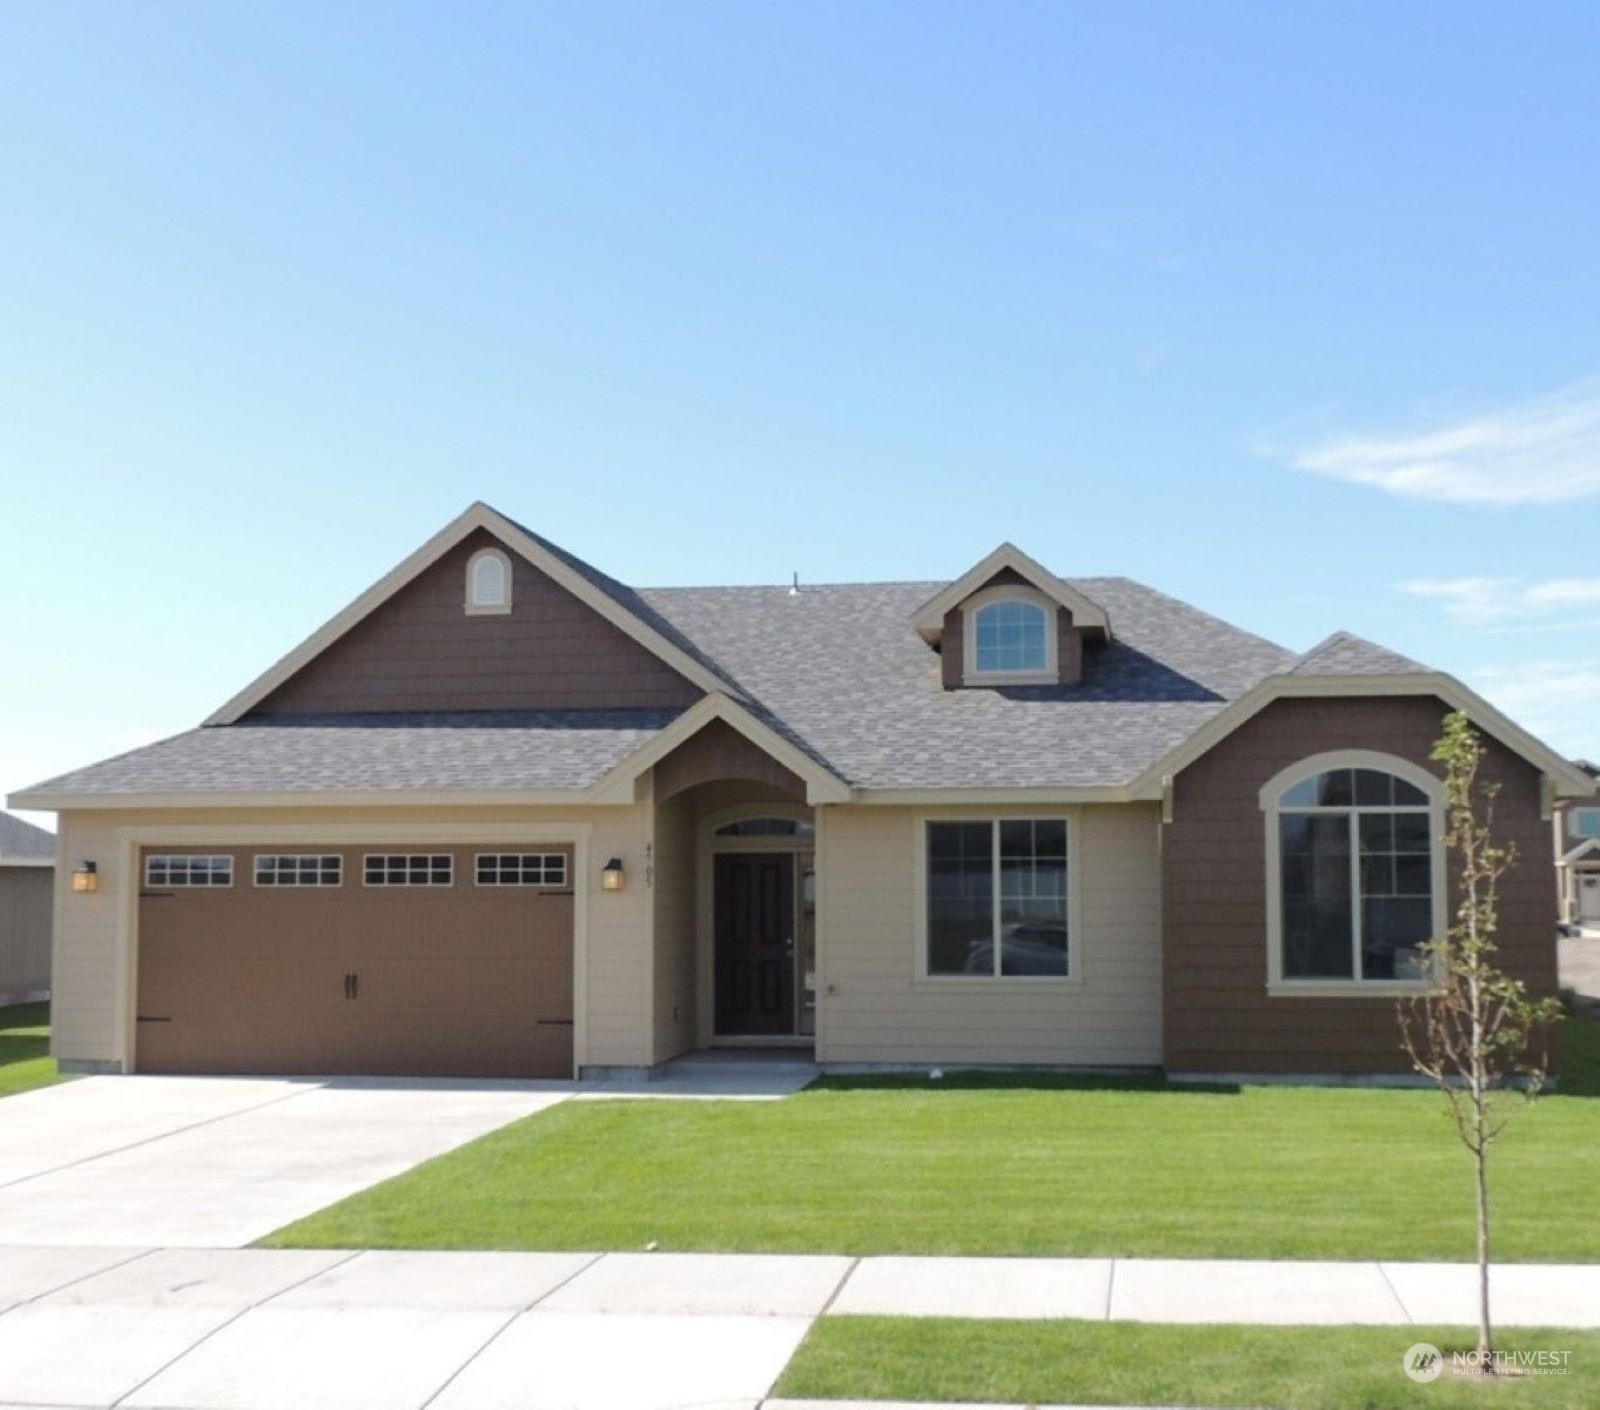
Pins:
<point x="735" y="942"/>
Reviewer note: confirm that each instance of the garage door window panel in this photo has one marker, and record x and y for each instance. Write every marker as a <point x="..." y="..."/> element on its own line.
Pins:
<point x="186" y="871"/>
<point x="299" y="870"/>
<point x="408" y="869"/>
<point x="547" y="869"/>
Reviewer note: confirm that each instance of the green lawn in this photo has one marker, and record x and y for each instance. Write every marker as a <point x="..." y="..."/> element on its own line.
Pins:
<point x="25" y="1060"/>
<point x="1001" y="1165"/>
<point x="1130" y="1363"/>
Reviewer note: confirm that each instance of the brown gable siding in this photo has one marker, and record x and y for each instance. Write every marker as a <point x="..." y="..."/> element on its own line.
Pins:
<point x="720" y="752"/>
<point x="953" y="641"/>
<point x="421" y="651"/>
<point x="1218" y="1016"/>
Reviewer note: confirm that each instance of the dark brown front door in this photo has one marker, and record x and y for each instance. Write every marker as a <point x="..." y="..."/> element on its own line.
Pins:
<point x="754" y="925"/>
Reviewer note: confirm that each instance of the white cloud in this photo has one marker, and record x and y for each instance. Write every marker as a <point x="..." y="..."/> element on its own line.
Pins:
<point x="1555" y="699"/>
<point x="1542" y="451"/>
<point x="1482" y="601"/>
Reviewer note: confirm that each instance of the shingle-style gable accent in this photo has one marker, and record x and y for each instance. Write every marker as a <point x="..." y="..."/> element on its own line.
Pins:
<point x="420" y="650"/>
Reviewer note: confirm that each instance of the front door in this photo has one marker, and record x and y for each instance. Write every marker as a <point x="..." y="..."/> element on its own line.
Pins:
<point x="1589" y="899"/>
<point x="753" y="910"/>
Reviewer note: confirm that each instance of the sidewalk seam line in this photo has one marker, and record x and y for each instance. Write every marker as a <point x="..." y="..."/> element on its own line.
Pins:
<point x="500" y="1331"/>
<point x="1394" y="1292"/>
<point x="839" y="1287"/>
<point x="133" y="1257"/>
<point x="1111" y="1283"/>
<point x="228" y="1322"/>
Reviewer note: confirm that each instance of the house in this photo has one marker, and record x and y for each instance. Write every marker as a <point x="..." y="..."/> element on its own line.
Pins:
<point x="27" y="881"/>
<point x="1577" y="847"/>
<point x="506" y="815"/>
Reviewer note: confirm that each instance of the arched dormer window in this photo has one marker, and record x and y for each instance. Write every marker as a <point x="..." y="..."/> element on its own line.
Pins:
<point x="1011" y="637"/>
<point x="488" y="582"/>
<point x="1355" y="873"/>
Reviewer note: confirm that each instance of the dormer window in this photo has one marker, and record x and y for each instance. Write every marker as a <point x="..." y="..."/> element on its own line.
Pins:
<point x="488" y="582"/>
<point x="1011" y="638"/>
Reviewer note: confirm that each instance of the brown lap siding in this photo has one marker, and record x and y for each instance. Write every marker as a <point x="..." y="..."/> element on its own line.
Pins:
<point x="1217" y="1013"/>
<point x="421" y="650"/>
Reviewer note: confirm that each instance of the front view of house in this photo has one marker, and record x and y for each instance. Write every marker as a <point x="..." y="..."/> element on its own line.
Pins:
<point x="506" y="816"/>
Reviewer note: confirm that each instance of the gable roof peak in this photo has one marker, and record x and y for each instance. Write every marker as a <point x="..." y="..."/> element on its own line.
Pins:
<point x="1087" y="615"/>
<point x="1346" y="654"/>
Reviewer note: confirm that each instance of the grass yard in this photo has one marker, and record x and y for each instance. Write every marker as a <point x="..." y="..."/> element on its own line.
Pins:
<point x="1131" y="1363"/>
<point x="25" y="1061"/>
<point x="1005" y="1165"/>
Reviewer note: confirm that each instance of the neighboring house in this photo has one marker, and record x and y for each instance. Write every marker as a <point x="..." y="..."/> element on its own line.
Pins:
<point x="1578" y="857"/>
<point x="27" y="883"/>
<point x="505" y="815"/>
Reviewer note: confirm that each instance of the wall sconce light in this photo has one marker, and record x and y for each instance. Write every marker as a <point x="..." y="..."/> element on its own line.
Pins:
<point x="86" y="877"/>
<point x="611" y="875"/>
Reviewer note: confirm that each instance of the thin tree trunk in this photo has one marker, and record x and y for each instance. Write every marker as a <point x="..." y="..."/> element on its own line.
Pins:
<point x="1485" y="1348"/>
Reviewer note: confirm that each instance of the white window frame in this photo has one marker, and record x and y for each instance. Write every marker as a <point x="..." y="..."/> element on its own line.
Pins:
<point x="407" y="884"/>
<point x="994" y="597"/>
<point x="545" y="858"/>
<point x="293" y="881"/>
<point x="1278" y="984"/>
<point x="1073" y="978"/>
<point x="188" y="858"/>
<point x="476" y="608"/>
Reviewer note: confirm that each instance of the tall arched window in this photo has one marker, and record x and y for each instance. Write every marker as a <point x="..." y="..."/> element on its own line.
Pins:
<point x="1355" y="872"/>
<point x="488" y="581"/>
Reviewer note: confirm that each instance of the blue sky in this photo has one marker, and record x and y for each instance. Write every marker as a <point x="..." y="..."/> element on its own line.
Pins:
<point x="1293" y="311"/>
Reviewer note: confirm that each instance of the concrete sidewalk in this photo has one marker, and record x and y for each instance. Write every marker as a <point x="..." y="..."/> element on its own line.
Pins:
<point x="238" y="1329"/>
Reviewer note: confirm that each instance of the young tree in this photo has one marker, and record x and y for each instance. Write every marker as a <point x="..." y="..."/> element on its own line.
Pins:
<point x="1477" y="1035"/>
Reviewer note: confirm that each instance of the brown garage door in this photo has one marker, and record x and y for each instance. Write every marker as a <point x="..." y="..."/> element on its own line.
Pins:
<point x="432" y="961"/>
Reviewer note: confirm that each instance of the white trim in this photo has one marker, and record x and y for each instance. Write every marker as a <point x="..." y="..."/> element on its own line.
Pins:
<point x="474" y="608"/>
<point x="618" y="785"/>
<point x="130" y="840"/>
<point x="980" y="602"/>
<point x="981" y="983"/>
<point x="1278" y="984"/>
<point x="1087" y="614"/>
<point x="40" y="862"/>
<point x="1582" y="850"/>
<point x="1569" y="781"/>
<point x="1040" y="797"/>
<point x="476" y="516"/>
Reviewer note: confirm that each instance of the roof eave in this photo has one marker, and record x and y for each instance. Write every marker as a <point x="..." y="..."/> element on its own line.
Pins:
<point x="1566" y="781"/>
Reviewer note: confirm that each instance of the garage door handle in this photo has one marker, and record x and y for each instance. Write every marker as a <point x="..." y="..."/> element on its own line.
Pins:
<point x="556" y="1022"/>
<point x="350" y="985"/>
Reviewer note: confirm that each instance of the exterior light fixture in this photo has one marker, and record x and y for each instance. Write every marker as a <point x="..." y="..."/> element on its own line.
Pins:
<point x="86" y="877"/>
<point x="611" y="875"/>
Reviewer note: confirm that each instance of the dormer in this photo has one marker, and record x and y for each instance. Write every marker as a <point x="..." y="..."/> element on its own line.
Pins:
<point x="1009" y="621"/>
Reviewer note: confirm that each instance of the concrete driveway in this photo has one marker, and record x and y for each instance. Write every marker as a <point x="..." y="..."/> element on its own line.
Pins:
<point x="218" y="1162"/>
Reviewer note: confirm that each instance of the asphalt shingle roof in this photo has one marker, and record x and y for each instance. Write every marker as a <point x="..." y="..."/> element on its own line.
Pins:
<point x="843" y="668"/>
<point x="837" y="669"/>
<point x="307" y="753"/>
<point x="22" y="841"/>
<point x="1345" y="654"/>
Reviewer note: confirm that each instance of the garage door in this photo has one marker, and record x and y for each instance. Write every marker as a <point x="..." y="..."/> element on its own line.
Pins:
<point x="441" y="961"/>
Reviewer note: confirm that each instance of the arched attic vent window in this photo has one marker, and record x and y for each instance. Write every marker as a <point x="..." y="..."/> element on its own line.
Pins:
<point x="488" y="582"/>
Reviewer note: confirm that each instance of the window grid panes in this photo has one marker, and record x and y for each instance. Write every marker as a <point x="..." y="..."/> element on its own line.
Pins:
<point x="488" y="581"/>
<point x="997" y="898"/>
<point x="322" y="869"/>
<point x="187" y="870"/>
<point x="1355" y="858"/>
<point x="522" y="869"/>
<point x="407" y="869"/>
<point x="1011" y="637"/>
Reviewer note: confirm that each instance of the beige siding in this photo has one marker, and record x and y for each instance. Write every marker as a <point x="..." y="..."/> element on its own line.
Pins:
<point x="25" y="906"/>
<point x="876" y="1010"/>
<point x="675" y="959"/>
<point x="93" y="999"/>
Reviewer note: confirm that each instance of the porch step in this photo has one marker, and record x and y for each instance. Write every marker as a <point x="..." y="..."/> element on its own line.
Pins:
<point x="744" y="1063"/>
